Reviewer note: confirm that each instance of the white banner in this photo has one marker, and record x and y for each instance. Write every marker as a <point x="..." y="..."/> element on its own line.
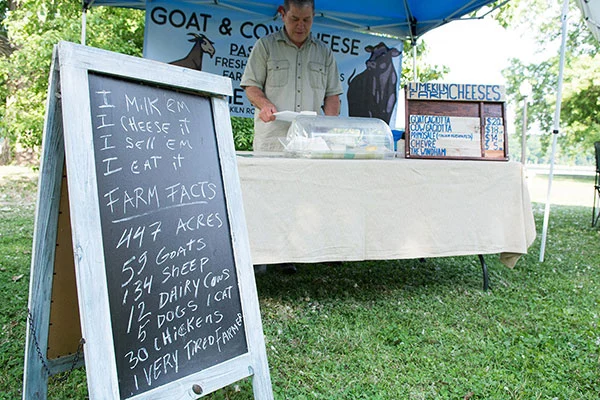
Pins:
<point x="218" y="39"/>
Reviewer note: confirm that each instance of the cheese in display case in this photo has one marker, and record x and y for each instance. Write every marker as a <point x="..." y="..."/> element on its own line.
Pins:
<point x="338" y="137"/>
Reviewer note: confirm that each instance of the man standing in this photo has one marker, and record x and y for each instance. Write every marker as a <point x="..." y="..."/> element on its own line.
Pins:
<point x="290" y="70"/>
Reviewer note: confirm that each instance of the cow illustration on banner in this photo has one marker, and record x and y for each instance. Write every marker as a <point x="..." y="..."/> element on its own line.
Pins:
<point x="374" y="92"/>
<point x="218" y="40"/>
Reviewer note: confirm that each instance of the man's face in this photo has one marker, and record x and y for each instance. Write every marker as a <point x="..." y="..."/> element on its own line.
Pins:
<point x="297" y="22"/>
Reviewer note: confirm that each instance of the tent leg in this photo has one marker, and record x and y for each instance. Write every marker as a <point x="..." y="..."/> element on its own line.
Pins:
<point x="594" y="210"/>
<point x="561" y="67"/>
<point x="414" y="59"/>
<point x="486" y="280"/>
<point x="595" y="213"/>
<point x="596" y="207"/>
<point x="83" y="26"/>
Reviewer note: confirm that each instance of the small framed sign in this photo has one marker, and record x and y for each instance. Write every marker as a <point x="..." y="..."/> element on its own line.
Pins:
<point x="455" y="121"/>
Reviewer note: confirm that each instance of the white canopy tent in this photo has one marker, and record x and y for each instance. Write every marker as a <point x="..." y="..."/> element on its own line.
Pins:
<point x="591" y="14"/>
<point x="406" y="19"/>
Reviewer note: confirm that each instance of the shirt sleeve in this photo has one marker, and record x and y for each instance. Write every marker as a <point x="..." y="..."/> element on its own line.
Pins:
<point x="334" y="85"/>
<point x="255" y="73"/>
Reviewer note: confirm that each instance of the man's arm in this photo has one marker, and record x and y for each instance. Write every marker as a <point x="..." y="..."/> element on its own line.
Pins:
<point x="258" y="98"/>
<point x="331" y="105"/>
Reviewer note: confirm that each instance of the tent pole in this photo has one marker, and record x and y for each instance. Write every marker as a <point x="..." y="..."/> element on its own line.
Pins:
<point x="561" y="67"/>
<point x="414" y="51"/>
<point x="83" y="25"/>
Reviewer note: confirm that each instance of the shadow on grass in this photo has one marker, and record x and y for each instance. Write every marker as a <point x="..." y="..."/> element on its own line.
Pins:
<point x="369" y="280"/>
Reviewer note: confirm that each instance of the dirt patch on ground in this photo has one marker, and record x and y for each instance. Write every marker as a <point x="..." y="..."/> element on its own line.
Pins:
<point x="18" y="185"/>
<point x="13" y="172"/>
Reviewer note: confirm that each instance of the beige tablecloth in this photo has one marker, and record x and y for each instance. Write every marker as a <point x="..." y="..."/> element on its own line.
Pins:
<point x="313" y="210"/>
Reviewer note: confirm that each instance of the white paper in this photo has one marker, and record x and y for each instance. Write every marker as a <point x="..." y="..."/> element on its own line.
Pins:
<point x="289" y="116"/>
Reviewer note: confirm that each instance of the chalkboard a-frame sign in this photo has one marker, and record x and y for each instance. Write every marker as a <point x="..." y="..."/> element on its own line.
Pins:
<point x="164" y="280"/>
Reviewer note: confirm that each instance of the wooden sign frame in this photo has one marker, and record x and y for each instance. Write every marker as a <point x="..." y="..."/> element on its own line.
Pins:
<point x="455" y="121"/>
<point x="69" y="145"/>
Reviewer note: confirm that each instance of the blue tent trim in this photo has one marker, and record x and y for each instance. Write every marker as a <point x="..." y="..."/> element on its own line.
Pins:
<point x="405" y="19"/>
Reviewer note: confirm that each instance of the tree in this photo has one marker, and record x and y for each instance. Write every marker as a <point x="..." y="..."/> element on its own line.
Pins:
<point x="5" y="48"/>
<point x="581" y="78"/>
<point x="425" y="72"/>
<point x="33" y="28"/>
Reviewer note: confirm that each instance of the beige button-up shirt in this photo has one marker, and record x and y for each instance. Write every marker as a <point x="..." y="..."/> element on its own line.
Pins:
<point x="293" y="79"/>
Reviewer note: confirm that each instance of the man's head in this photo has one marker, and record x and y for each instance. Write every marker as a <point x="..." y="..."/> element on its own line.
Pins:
<point x="297" y="18"/>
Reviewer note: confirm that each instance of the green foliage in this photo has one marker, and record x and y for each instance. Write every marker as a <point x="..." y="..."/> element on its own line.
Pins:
<point x="33" y="29"/>
<point x="116" y="29"/>
<point x="4" y="44"/>
<point x="16" y="231"/>
<point x="580" y="109"/>
<point x="243" y="133"/>
<point x="579" y="119"/>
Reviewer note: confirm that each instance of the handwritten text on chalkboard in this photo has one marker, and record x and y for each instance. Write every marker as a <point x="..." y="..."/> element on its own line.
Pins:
<point x="172" y="283"/>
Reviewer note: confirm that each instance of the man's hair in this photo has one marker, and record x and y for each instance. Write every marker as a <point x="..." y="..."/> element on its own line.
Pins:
<point x="298" y="3"/>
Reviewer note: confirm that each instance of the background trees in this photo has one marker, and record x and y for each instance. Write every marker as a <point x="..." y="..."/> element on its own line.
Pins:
<point x="33" y="28"/>
<point x="30" y="28"/>
<point x="580" y="121"/>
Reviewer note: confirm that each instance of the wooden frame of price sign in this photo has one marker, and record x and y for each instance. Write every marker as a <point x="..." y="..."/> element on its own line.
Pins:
<point x="456" y="121"/>
<point x="141" y="260"/>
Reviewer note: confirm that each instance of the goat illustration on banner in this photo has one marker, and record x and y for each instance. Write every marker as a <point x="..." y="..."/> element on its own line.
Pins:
<point x="202" y="45"/>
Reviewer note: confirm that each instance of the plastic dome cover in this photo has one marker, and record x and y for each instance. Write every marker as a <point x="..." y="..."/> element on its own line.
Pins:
<point x="338" y="137"/>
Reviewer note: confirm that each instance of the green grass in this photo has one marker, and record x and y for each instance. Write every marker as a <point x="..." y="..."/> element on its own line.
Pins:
<point x="17" y="195"/>
<point x="566" y="190"/>
<point x="401" y="329"/>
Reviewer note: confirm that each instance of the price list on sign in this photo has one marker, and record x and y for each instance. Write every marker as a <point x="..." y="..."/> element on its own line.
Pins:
<point x="435" y="135"/>
<point x="173" y="291"/>
<point x="494" y="133"/>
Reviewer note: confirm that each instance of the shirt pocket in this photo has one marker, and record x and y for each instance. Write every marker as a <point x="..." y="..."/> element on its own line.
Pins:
<point x="277" y="73"/>
<point x="316" y="72"/>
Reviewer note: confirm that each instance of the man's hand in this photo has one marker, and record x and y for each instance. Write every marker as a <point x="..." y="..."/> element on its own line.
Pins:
<point x="332" y="105"/>
<point x="259" y="100"/>
<point x="266" y="113"/>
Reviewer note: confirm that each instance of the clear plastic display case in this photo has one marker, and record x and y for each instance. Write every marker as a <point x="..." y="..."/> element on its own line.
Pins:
<point x="338" y="137"/>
